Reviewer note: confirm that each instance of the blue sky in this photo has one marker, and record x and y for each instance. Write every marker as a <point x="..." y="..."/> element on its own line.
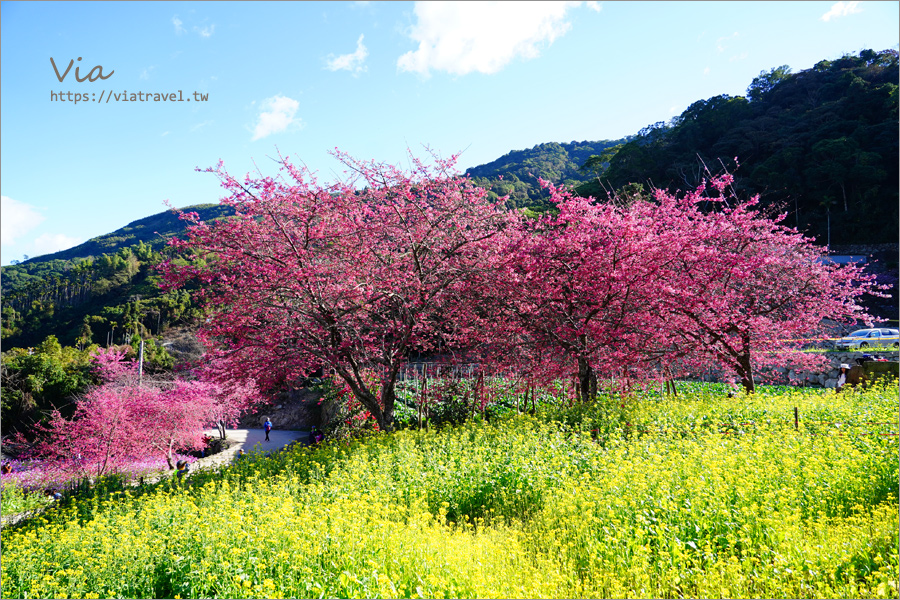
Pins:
<point x="370" y="78"/>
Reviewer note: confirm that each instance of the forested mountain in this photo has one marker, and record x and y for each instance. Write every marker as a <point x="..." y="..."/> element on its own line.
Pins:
<point x="51" y="325"/>
<point x="153" y="231"/>
<point x="516" y="173"/>
<point x="105" y="300"/>
<point x="103" y="291"/>
<point x="821" y="144"/>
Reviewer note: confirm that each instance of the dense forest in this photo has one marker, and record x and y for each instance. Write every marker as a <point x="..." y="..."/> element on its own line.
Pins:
<point x="153" y="231"/>
<point x="52" y="324"/>
<point x="516" y="173"/>
<point x="820" y="145"/>
<point x="102" y="291"/>
<point x="104" y="300"/>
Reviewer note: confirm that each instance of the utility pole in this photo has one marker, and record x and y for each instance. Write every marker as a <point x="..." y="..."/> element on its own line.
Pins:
<point x="141" y="365"/>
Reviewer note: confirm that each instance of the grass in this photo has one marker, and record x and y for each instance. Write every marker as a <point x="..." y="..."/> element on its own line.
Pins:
<point x="869" y="349"/>
<point x="638" y="496"/>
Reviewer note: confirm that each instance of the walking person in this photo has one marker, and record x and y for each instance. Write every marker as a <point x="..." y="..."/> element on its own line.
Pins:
<point x="268" y="428"/>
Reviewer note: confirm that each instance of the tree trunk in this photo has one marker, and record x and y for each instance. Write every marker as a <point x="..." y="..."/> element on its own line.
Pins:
<point x="478" y="393"/>
<point x="388" y="399"/>
<point x="745" y="371"/>
<point x="169" y="455"/>
<point x="587" y="380"/>
<point x="365" y="396"/>
<point x="670" y="383"/>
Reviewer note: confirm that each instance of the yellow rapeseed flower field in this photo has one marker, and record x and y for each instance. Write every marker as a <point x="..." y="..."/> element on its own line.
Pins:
<point x="696" y="497"/>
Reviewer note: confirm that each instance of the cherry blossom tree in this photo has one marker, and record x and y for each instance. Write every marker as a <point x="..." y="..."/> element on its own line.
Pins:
<point x="109" y="365"/>
<point x="676" y="284"/>
<point x="744" y="291"/>
<point x="354" y="276"/>
<point x="116" y="425"/>
<point x="347" y="277"/>
<point x="100" y="438"/>
<point x="580" y="291"/>
<point x="229" y="397"/>
<point x="122" y="422"/>
<point x="174" y="419"/>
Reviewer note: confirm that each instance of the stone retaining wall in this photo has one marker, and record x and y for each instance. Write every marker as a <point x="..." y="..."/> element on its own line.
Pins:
<point x="294" y="409"/>
<point x="828" y="378"/>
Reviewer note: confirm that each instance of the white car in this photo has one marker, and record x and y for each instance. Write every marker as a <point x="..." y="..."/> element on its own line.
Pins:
<point x="864" y="338"/>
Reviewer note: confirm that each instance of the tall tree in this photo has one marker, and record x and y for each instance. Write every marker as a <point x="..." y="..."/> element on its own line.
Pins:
<point x="766" y="80"/>
<point x="745" y="291"/>
<point x="579" y="294"/>
<point x="350" y="276"/>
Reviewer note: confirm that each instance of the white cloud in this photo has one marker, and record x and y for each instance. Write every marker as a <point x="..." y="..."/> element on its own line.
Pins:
<point x="145" y="74"/>
<point x="47" y="243"/>
<point x="842" y="9"/>
<point x="720" y="43"/>
<point x="18" y="218"/>
<point x="741" y="56"/>
<point x="199" y="126"/>
<point x="706" y="71"/>
<point x="276" y="114"/>
<point x="205" y="31"/>
<point x="462" y="37"/>
<point x="349" y="62"/>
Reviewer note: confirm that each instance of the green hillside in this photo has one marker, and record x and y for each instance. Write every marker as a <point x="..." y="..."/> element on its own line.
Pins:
<point x="107" y="300"/>
<point x="103" y="291"/>
<point x="154" y="231"/>
<point x="516" y="173"/>
<point x="820" y="145"/>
